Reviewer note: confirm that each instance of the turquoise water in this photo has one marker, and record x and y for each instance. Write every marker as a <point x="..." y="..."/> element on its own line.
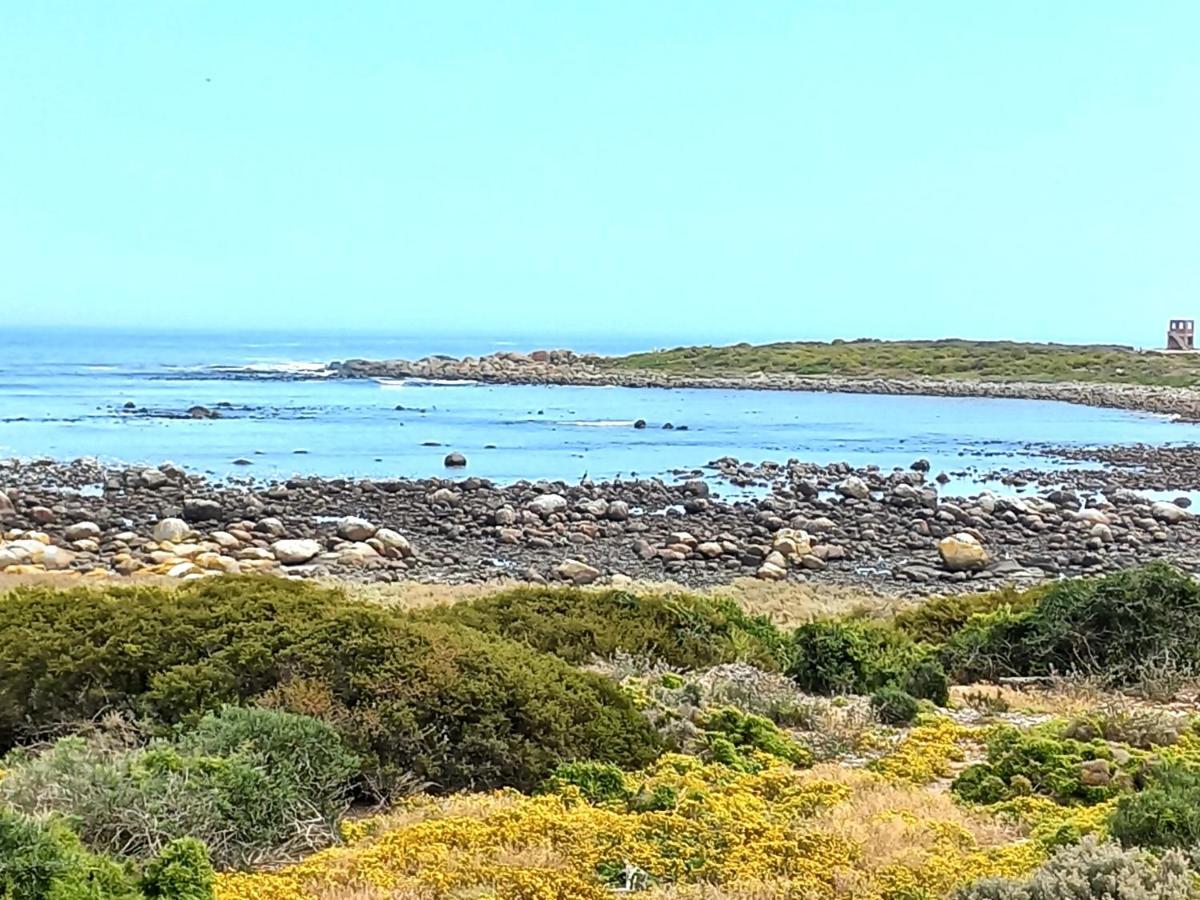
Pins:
<point x="61" y="394"/>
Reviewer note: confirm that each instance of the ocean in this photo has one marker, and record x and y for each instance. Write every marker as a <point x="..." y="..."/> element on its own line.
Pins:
<point x="62" y="393"/>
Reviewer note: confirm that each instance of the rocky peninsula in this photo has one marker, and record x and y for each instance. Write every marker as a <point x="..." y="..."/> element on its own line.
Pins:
<point x="565" y="367"/>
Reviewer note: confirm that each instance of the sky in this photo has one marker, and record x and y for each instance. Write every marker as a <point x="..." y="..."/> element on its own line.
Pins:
<point x="716" y="171"/>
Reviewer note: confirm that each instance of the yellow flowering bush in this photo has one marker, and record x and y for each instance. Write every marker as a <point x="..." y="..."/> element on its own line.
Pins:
<point x="825" y="833"/>
<point x="1052" y="824"/>
<point x="926" y="753"/>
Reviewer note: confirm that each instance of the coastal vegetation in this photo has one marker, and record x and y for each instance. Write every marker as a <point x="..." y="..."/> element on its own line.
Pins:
<point x="940" y="359"/>
<point x="262" y="739"/>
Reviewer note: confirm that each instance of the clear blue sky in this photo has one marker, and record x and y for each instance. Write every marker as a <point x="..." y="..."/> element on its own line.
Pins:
<point x="720" y="171"/>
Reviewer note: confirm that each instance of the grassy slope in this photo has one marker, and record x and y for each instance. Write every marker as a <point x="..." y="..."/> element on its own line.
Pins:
<point x="954" y="359"/>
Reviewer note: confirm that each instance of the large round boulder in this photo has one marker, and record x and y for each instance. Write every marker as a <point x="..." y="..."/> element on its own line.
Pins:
<point x="576" y="572"/>
<point x="173" y="530"/>
<point x="854" y="488"/>
<point x="962" y="552"/>
<point x="295" y="552"/>
<point x="352" y="528"/>
<point x="200" y="509"/>
<point x="548" y="504"/>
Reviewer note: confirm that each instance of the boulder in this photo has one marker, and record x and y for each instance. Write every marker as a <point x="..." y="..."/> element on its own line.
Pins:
<point x="548" y="504"/>
<point x="295" y="552"/>
<point x="54" y="558"/>
<point x="352" y="528"/>
<point x="446" y="496"/>
<point x="454" y="461"/>
<point x="854" y="487"/>
<point x="597" y="508"/>
<point x="618" y="511"/>
<point x="962" y="552"/>
<point x="1168" y="512"/>
<point x="225" y="540"/>
<point x="769" y="571"/>
<point x="200" y="509"/>
<point x="357" y="554"/>
<point x="173" y="530"/>
<point x="7" y="510"/>
<point x="792" y="543"/>
<point x="504" y="517"/>
<point x="153" y="479"/>
<point x="394" y="543"/>
<point x="1095" y="772"/>
<point x="576" y="572"/>
<point x="82" y="531"/>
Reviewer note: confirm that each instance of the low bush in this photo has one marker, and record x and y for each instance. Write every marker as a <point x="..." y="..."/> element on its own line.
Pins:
<point x="45" y="861"/>
<point x="181" y="871"/>
<point x="861" y="656"/>
<point x="732" y="733"/>
<point x="894" y="706"/>
<point x="597" y="782"/>
<point x="937" y="619"/>
<point x="1111" y="627"/>
<point x="420" y="702"/>
<point x="1165" y="814"/>
<point x="254" y="785"/>
<point x="1093" y="870"/>
<point x="686" y="631"/>
<point x="1066" y="770"/>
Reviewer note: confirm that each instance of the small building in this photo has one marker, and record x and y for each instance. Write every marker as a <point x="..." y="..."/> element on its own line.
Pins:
<point x="1181" y="334"/>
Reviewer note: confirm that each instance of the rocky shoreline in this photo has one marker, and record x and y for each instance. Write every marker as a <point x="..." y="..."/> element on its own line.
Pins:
<point x="565" y="367"/>
<point x="887" y="530"/>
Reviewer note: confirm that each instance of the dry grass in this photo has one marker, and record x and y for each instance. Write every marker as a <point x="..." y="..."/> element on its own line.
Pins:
<point x="785" y="604"/>
<point x="788" y="604"/>
<point x="1061" y="697"/>
<point x="410" y="595"/>
<point x="875" y="815"/>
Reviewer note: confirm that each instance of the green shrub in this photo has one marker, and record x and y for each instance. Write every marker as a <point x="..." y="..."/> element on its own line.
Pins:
<point x="990" y="646"/>
<point x="1165" y="814"/>
<point x="1112" y="627"/>
<point x="253" y="784"/>
<point x="731" y="732"/>
<point x="662" y="798"/>
<point x="424" y="702"/>
<point x="1024" y="762"/>
<point x="45" y="861"/>
<point x="861" y="656"/>
<point x="1092" y="870"/>
<point x="576" y="625"/>
<point x="937" y="619"/>
<point x="305" y="756"/>
<point x="894" y="706"/>
<point x="598" y="782"/>
<point x="182" y="871"/>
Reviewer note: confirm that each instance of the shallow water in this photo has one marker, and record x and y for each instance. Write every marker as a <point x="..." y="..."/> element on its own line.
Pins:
<point x="61" y="395"/>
